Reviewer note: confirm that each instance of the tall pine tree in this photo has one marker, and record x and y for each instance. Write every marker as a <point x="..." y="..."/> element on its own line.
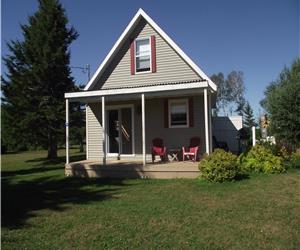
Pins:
<point x="38" y="76"/>
<point x="248" y="117"/>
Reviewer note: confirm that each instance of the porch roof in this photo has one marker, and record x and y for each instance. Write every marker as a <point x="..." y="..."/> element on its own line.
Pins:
<point x="151" y="90"/>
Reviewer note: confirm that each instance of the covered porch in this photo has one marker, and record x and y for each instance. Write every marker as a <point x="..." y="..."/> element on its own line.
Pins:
<point x="142" y="107"/>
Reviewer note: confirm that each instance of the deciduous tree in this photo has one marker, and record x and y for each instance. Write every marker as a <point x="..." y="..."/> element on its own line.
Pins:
<point x="282" y="103"/>
<point x="230" y="96"/>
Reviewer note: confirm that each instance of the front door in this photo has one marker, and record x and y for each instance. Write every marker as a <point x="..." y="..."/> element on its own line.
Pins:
<point x="120" y="131"/>
<point x="126" y="131"/>
<point x="113" y="131"/>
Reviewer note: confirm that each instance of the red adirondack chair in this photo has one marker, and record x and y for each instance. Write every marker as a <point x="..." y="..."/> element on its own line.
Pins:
<point x="158" y="149"/>
<point x="192" y="151"/>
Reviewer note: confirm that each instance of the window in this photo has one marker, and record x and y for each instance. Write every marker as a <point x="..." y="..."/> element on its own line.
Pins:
<point x="142" y="55"/>
<point x="178" y="113"/>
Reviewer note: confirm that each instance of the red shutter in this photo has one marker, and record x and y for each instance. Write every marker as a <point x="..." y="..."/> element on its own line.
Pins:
<point x="153" y="54"/>
<point x="191" y="112"/>
<point x="132" y="56"/>
<point x="166" y="113"/>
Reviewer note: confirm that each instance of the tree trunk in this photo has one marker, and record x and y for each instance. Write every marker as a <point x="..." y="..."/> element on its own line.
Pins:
<point x="81" y="146"/>
<point x="52" y="148"/>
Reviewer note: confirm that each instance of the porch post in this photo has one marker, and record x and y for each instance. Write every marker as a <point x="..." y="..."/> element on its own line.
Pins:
<point x="206" y="121"/>
<point x="119" y="133"/>
<point x="253" y="136"/>
<point x="210" y="123"/>
<point x="143" y="130"/>
<point x="67" y="131"/>
<point x="103" y="130"/>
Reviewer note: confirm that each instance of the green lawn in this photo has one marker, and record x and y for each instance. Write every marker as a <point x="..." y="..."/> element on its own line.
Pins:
<point x="42" y="209"/>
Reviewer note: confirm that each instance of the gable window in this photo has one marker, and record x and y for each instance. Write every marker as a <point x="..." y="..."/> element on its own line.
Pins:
<point x="178" y="113"/>
<point x="142" y="55"/>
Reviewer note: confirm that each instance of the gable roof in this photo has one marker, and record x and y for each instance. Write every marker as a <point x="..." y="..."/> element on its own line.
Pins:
<point x="130" y="27"/>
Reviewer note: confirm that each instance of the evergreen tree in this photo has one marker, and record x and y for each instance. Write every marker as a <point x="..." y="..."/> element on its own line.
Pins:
<point x="38" y="76"/>
<point x="240" y="106"/>
<point x="248" y="117"/>
<point x="77" y="122"/>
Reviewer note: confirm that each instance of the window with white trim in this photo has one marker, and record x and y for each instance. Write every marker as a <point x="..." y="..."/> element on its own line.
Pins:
<point x="178" y="113"/>
<point x="142" y="55"/>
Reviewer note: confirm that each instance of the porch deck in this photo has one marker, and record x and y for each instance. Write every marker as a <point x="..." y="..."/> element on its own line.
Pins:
<point x="132" y="169"/>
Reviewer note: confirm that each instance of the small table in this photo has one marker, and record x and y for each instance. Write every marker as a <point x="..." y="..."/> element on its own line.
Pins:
<point x="173" y="152"/>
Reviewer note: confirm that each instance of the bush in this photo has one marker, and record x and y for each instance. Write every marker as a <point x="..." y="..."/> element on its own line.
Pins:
<point x="220" y="166"/>
<point x="276" y="149"/>
<point x="261" y="159"/>
<point x="294" y="160"/>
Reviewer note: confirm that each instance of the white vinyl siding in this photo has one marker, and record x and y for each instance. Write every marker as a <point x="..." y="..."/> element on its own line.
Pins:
<point x="170" y="67"/>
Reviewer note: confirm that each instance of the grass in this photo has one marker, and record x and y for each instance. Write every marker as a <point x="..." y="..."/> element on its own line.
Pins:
<point x="42" y="209"/>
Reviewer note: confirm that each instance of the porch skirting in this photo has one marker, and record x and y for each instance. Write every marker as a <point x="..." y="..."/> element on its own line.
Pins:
<point x="132" y="170"/>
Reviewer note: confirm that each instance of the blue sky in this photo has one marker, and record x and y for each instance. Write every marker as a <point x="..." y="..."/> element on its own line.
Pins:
<point x="257" y="37"/>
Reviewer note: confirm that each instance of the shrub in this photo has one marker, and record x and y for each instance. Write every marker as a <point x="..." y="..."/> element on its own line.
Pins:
<point x="294" y="160"/>
<point x="219" y="166"/>
<point x="261" y="159"/>
<point x="276" y="149"/>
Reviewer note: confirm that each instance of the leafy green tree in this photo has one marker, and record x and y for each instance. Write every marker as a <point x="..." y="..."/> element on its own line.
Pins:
<point x="38" y="76"/>
<point x="282" y="103"/>
<point x="248" y="117"/>
<point x="230" y="96"/>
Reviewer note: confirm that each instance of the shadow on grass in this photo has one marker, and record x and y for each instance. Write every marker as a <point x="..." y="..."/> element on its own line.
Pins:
<point x="21" y="200"/>
<point x="9" y="153"/>
<point x="33" y="170"/>
<point x="60" y="159"/>
<point x="43" y="165"/>
<point x="242" y="176"/>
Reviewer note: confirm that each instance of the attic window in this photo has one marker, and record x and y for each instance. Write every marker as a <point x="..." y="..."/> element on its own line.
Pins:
<point x="142" y="55"/>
